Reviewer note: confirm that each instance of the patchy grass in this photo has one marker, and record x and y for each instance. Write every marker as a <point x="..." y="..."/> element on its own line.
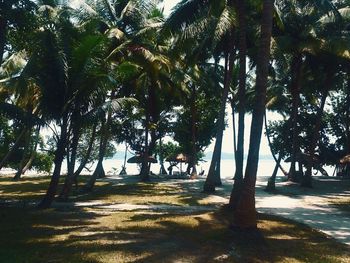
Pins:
<point x="96" y="235"/>
<point x="34" y="188"/>
<point x="341" y="203"/>
<point x="87" y="236"/>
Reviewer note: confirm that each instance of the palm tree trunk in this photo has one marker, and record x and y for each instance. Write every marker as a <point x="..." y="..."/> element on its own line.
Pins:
<point x="245" y="212"/>
<point x="3" y="29"/>
<point x="59" y="156"/>
<point x="193" y="159"/>
<point x="14" y="147"/>
<point x="68" y="182"/>
<point x="144" y="173"/>
<point x="307" y="179"/>
<point x="24" y="157"/>
<point x="99" y="170"/>
<point x="87" y="156"/>
<point x="209" y="185"/>
<point x="161" y="158"/>
<point x="277" y="160"/>
<point x="347" y="111"/>
<point x="271" y="183"/>
<point x="239" y="152"/>
<point x="295" y="91"/>
<point x="242" y="46"/>
<point x="33" y="153"/>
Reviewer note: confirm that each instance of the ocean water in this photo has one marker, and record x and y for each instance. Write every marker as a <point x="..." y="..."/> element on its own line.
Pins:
<point x="114" y="166"/>
<point x="265" y="168"/>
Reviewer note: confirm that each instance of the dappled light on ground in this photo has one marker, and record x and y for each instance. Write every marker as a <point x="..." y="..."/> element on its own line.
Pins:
<point x="162" y="221"/>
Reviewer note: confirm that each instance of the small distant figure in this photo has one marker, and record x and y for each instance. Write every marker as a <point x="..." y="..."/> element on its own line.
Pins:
<point x="201" y="173"/>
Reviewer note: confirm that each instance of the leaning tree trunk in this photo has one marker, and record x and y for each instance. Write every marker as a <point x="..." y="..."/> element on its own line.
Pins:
<point x="87" y="155"/>
<point x="347" y="114"/>
<point x="68" y="182"/>
<point x="239" y="152"/>
<point x="245" y="212"/>
<point x="161" y="158"/>
<point x="33" y="152"/>
<point x="209" y="185"/>
<point x="59" y="156"/>
<point x="295" y="91"/>
<point x="28" y="136"/>
<point x="99" y="171"/>
<point x="14" y="147"/>
<point x="271" y="183"/>
<point x="277" y="160"/>
<point x="193" y="158"/>
<point x="144" y="173"/>
<point x="3" y="29"/>
<point x="307" y="178"/>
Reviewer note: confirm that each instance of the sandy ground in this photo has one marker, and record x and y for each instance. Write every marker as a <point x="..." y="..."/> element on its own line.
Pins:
<point x="309" y="206"/>
<point x="304" y="205"/>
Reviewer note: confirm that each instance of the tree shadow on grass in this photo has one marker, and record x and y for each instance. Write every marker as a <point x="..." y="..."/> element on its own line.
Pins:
<point x="84" y="235"/>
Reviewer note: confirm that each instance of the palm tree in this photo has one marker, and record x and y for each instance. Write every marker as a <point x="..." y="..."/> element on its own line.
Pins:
<point x="196" y="18"/>
<point x="245" y="212"/>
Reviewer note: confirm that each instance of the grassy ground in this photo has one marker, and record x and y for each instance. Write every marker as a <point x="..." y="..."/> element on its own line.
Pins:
<point x="341" y="203"/>
<point x="89" y="234"/>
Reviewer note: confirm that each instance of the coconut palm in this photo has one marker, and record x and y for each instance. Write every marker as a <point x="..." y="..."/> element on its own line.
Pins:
<point x="245" y="212"/>
<point x="196" y="18"/>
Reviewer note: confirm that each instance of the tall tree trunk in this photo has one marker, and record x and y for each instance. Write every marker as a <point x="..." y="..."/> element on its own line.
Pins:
<point x="347" y="111"/>
<point x="68" y="182"/>
<point x="193" y="158"/>
<point x="59" y="156"/>
<point x="239" y="153"/>
<point x="277" y="160"/>
<point x="242" y="46"/>
<point x="245" y="212"/>
<point x="144" y="173"/>
<point x="33" y="152"/>
<point x="99" y="171"/>
<point x="28" y="136"/>
<point x="87" y="156"/>
<point x="209" y="185"/>
<point x="295" y="91"/>
<point x="161" y="158"/>
<point x="14" y="147"/>
<point x="307" y="178"/>
<point x="3" y="29"/>
<point x="271" y="183"/>
<point x="151" y="111"/>
<point x="123" y="171"/>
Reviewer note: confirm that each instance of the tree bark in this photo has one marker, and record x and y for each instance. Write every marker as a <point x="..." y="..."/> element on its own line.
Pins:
<point x="242" y="46"/>
<point x="14" y="147"/>
<point x="277" y="160"/>
<point x="3" y="29"/>
<point x="68" y="182"/>
<point x="193" y="159"/>
<point x="144" y="173"/>
<point x="33" y="153"/>
<point x="239" y="152"/>
<point x="295" y="91"/>
<point x="307" y="178"/>
<point x="99" y="171"/>
<point x="59" y="156"/>
<point x="24" y="157"/>
<point x="87" y="156"/>
<point x="245" y="212"/>
<point x="271" y="183"/>
<point x="209" y="185"/>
